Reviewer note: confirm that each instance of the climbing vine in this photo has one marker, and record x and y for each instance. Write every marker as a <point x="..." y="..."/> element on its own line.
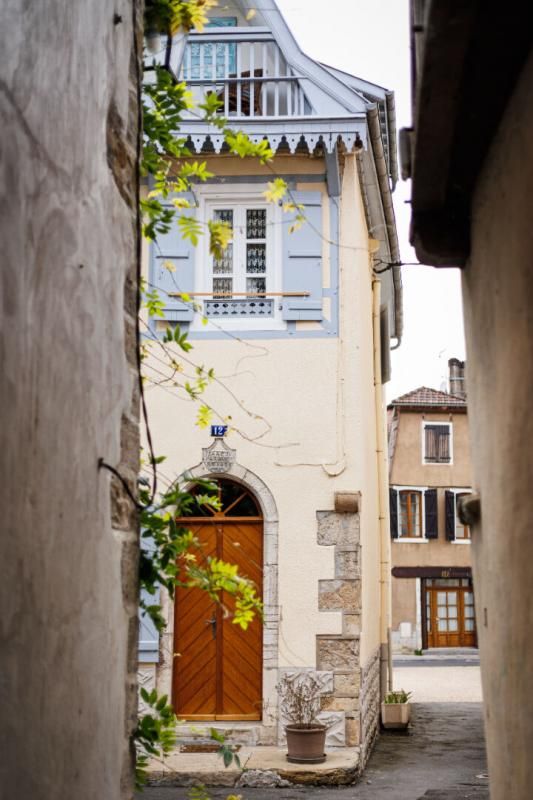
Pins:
<point x="171" y="556"/>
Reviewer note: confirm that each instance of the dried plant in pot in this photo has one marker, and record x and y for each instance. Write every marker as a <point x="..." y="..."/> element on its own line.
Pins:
<point x="300" y="704"/>
<point x="396" y="710"/>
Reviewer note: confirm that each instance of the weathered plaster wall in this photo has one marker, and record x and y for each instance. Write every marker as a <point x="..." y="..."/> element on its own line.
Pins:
<point x="403" y="601"/>
<point x="356" y="308"/>
<point x="68" y="106"/>
<point x="498" y="303"/>
<point x="408" y="468"/>
<point x="432" y="552"/>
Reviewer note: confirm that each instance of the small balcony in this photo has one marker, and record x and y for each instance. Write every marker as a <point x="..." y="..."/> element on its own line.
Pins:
<point x="247" y="71"/>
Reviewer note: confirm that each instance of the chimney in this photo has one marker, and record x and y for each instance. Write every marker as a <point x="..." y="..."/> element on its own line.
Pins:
<point x="456" y="372"/>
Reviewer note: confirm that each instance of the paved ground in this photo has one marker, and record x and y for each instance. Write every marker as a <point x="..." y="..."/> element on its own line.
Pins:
<point x="442" y="757"/>
<point x="431" y="682"/>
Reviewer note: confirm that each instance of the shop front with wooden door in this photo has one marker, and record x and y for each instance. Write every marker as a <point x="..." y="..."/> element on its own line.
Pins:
<point x="448" y="609"/>
<point x="217" y="672"/>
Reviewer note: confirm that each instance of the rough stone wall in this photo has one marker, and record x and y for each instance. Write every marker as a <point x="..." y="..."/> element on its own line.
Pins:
<point x="369" y="706"/>
<point x="68" y="217"/>
<point x="339" y="653"/>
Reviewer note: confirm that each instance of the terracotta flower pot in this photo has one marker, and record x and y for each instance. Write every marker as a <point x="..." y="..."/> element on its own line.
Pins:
<point x="395" y="715"/>
<point x="306" y="744"/>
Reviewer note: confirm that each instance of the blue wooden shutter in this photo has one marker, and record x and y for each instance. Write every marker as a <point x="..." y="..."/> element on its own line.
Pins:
<point x="393" y="512"/>
<point x="431" y="516"/>
<point x="148" y="633"/>
<point x="449" y="507"/>
<point x="180" y="252"/>
<point x="302" y="259"/>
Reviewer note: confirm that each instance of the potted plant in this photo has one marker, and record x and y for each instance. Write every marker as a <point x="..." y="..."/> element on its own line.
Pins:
<point x="300" y="703"/>
<point x="396" y="710"/>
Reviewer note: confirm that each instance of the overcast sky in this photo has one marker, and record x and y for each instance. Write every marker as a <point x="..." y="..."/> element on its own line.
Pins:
<point x="369" y="38"/>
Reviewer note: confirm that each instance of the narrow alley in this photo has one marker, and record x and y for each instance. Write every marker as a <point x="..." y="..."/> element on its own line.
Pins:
<point x="441" y="757"/>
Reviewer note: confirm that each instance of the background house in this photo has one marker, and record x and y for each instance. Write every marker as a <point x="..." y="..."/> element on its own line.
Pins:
<point x="432" y="592"/>
<point x="297" y="328"/>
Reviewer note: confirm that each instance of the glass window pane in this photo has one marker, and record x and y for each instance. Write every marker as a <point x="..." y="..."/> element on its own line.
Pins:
<point x="224" y="264"/>
<point x="441" y="598"/>
<point x="256" y="285"/>
<point x="452" y="598"/>
<point x="256" y="223"/>
<point x="452" y="612"/>
<point x="222" y="286"/>
<point x="469" y="625"/>
<point x="403" y="514"/>
<point x="224" y="215"/>
<point x="443" y="625"/>
<point x="415" y="513"/>
<point x="441" y="611"/>
<point x="256" y="258"/>
<point x="410" y="514"/>
<point x="469" y="611"/>
<point x="452" y="625"/>
<point x="469" y="598"/>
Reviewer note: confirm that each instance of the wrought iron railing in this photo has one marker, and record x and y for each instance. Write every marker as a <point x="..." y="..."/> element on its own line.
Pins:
<point x="228" y="309"/>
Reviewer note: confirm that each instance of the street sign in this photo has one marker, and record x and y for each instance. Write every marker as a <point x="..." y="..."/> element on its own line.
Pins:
<point x="219" y="430"/>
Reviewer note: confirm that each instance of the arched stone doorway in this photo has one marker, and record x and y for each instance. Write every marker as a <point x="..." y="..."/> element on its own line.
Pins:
<point x="218" y="669"/>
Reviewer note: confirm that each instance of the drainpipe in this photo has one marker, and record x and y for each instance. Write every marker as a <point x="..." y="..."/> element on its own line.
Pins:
<point x="383" y="485"/>
<point x="374" y="129"/>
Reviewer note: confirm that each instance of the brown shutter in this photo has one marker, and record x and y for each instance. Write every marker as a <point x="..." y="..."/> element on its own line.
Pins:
<point x="449" y="507"/>
<point x="393" y="511"/>
<point x="443" y="438"/>
<point x="430" y="443"/>
<point x="431" y="516"/>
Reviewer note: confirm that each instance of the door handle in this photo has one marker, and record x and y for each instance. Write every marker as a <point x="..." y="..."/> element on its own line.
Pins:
<point x="213" y="623"/>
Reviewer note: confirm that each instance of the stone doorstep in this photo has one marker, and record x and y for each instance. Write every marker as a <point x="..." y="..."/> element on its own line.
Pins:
<point x="186" y="769"/>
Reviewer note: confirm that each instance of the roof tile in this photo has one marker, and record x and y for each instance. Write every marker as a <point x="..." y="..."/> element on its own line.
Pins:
<point x="429" y="397"/>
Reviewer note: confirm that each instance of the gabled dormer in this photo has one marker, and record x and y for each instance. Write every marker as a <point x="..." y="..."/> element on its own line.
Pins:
<point x="269" y="88"/>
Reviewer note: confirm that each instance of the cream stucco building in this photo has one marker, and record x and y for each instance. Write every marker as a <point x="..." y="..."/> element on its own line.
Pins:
<point x="297" y="327"/>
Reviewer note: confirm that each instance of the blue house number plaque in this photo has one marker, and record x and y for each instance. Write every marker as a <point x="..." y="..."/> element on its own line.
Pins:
<point x="219" y="430"/>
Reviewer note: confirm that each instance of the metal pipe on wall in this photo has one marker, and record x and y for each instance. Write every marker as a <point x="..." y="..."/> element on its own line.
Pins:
<point x="386" y="681"/>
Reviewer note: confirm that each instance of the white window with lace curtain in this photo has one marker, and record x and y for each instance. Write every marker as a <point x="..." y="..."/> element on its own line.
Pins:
<point x="241" y="289"/>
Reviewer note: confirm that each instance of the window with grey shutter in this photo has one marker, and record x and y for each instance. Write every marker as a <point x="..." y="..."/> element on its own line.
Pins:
<point x="148" y="633"/>
<point x="449" y="511"/>
<point x="302" y="259"/>
<point x="172" y="269"/>
<point x="431" y="515"/>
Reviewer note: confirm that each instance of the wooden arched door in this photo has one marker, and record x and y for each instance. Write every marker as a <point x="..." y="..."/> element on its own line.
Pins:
<point x="218" y="668"/>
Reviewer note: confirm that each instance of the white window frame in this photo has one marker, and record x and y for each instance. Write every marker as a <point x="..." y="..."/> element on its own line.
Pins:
<point x="412" y="539"/>
<point x="244" y="196"/>
<point x="425" y="423"/>
<point x="456" y="491"/>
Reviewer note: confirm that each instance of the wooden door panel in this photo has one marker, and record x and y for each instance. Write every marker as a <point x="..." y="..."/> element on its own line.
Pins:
<point x="220" y="677"/>
<point x="242" y="649"/>
<point x="194" y="675"/>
